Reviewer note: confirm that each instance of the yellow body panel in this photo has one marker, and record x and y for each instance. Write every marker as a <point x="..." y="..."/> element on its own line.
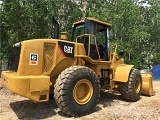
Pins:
<point x="122" y="72"/>
<point x="32" y="87"/>
<point x="25" y="68"/>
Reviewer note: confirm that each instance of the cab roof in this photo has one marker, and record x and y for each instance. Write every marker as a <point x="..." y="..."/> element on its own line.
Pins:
<point x="93" y="19"/>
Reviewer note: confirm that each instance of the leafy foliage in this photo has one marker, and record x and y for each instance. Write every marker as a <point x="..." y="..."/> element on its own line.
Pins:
<point x="136" y="27"/>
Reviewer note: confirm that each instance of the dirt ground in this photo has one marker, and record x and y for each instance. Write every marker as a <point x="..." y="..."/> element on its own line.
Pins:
<point x="110" y="107"/>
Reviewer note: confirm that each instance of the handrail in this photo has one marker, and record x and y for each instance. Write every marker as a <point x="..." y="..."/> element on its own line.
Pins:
<point x="95" y="42"/>
<point x="114" y="46"/>
<point x="113" y="52"/>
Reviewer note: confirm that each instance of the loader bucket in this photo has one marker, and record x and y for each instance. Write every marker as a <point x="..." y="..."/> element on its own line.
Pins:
<point x="147" y="85"/>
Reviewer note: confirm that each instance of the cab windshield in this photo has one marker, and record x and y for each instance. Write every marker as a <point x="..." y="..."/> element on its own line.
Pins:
<point x="78" y="30"/>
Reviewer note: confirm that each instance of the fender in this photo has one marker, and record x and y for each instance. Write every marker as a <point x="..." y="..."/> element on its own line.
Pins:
<point x="122" y="73"/>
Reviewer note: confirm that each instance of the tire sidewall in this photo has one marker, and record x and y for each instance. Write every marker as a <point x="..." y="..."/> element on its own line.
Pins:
<point x="136" y="75"/>
<point x="128" y="90"/>
<point x="79" y="74"/>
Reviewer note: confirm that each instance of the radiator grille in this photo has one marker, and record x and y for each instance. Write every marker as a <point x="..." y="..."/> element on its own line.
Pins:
<point x="14" y="58"/>
<point x="48" y="56"/>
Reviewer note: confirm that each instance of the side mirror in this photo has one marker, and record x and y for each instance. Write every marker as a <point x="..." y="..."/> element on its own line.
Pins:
<point x="111" y="35"/>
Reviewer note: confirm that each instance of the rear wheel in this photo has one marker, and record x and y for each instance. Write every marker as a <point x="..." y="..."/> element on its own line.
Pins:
<point x="77" y="90"/>
<point x="131" y="90"/>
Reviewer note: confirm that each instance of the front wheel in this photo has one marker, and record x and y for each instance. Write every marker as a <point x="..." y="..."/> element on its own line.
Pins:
<point x="131" y="90"/>
<point x="77" y="90"/>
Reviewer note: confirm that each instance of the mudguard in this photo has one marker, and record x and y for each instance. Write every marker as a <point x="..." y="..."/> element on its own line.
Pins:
<point x="122" y="73"/>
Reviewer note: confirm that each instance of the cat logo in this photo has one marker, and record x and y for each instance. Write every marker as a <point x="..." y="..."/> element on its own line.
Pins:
<point x="33" y="59"/>
<point x="68" y="49"/>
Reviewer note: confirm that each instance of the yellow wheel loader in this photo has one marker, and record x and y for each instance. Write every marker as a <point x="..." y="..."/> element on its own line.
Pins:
<point x="74" y="71"/>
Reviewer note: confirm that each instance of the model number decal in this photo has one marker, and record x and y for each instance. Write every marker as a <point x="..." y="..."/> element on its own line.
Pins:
<point x="33" y="59"/>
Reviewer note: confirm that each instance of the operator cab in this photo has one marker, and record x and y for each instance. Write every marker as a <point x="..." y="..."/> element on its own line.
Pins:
<point x="95" y="35"/>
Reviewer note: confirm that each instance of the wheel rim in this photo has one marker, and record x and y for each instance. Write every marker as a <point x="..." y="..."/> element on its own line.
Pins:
<point x="137" y="85"/>
<point x="82" y="91"/>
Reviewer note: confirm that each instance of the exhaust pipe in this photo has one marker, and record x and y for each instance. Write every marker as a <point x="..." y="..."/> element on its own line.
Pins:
<point x="56" y="28"/>
<point x="107" y="46"/>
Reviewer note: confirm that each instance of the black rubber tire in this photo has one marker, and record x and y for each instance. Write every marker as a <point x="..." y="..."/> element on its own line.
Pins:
<point x="128" y="89"/>
<point x="63" y="92"/>
<point x="51" y="94"/>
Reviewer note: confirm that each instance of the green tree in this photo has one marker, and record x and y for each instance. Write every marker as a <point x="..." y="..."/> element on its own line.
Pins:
<point x="136" y="27"/>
